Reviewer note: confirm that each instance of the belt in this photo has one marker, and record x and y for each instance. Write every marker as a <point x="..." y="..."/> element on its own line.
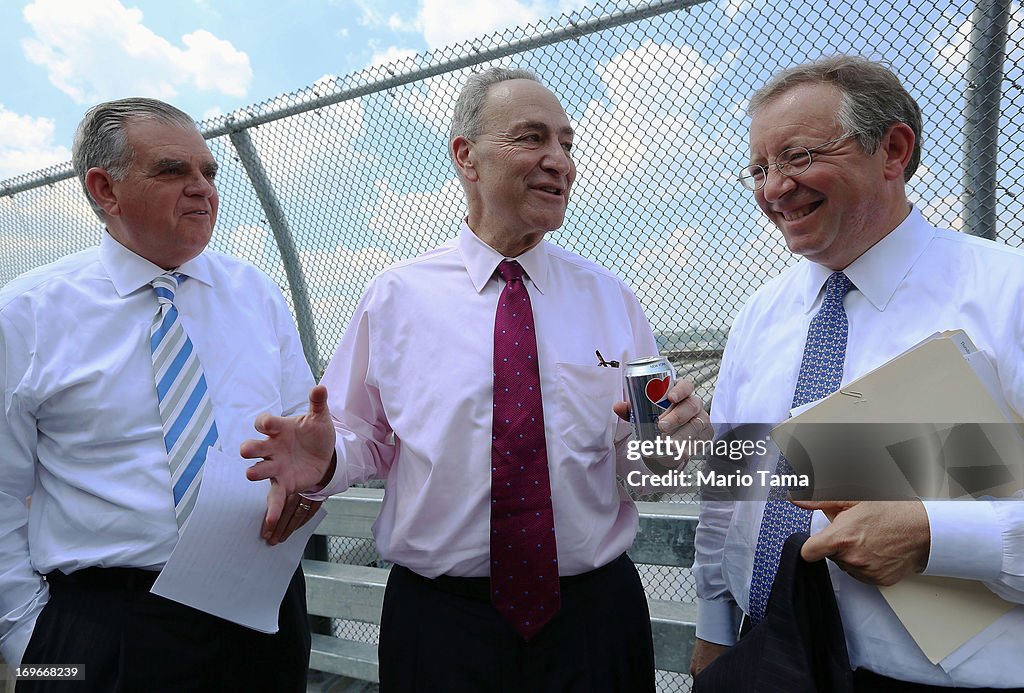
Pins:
<point x="479" y="588"/>
<point x="128" y="579"/>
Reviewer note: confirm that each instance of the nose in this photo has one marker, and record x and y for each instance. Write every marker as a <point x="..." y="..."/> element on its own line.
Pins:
<point x="200" y="185"/>
<point x="776" y="185"/>
<point x="557" y="160"/>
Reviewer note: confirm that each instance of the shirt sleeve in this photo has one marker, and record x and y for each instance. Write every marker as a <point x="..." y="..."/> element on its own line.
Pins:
<point x="979" y="540"/>
<point x="718" y="616"/>
<point x="364" y="442"/>
<point x="23" y="592"/>
<point x="984" y="539"/>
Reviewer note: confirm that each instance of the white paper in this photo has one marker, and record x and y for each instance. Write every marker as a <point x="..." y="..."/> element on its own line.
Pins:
<point x="221" y="564"/>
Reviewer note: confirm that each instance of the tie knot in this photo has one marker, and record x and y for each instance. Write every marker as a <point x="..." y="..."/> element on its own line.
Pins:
<point x="837" y="286"/>
<point x="510" y="270"/>
<point x="165" y="285"/>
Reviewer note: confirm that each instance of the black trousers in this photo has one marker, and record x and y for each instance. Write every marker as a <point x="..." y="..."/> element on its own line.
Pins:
<point x="444" y="635"/>
<point x="131" y="640"/>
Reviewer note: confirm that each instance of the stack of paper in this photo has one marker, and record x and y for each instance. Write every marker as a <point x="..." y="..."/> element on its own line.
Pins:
<point x="931" y="423"/>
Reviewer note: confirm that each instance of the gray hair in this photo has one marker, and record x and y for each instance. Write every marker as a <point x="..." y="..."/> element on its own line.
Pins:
<point x="466" y="122"/>
<point x="101" y="140"/>
<point x="872" y="99"/>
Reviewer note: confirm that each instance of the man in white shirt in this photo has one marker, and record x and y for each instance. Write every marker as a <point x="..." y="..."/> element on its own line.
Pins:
<point x="416" y="386"/>
<point x="832" y="144"/>
<point x="82" y="427"/>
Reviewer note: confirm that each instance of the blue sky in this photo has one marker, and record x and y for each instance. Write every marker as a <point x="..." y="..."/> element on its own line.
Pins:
<point x="659" y="114"/>
<point x="206" y="56"/>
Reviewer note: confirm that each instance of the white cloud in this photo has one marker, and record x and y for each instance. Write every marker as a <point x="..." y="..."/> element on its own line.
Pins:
<point x="369" y="15"/>
<point x="424" y="219"/>
<point x="43" y="224"/>
<point x="26" y="144"/>
<point x="945" y="212"/>
<point x="758" y="260"/>
<point x="431" y="101"/>
<point x="735" y="7"/>
<point x="953" y="46"/>
<point x="655" y="91"/>
<point x="313" y="140"/>
<point x="446" y="22"/>
<point x="398" y="23"/>
<point x="80" y="44"/>
<point x="392" y="54"/>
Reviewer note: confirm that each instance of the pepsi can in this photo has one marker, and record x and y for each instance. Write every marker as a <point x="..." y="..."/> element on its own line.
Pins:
<point x="648" y="381"/>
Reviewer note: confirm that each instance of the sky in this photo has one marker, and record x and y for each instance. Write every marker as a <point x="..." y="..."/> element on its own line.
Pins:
<point x="208" y="57"/>
<point x="659" y="110"/>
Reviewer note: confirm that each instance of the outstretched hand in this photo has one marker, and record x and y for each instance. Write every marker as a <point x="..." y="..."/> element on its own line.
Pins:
<point x="297" y="453"/>
<point x="877" y="542"/>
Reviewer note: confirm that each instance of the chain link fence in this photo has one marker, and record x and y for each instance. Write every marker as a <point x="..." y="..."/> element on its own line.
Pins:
<point x="325" y="187"/>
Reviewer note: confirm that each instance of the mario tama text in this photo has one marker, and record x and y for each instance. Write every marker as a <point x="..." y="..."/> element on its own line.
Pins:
<point x="730" y="463"/>
<point x="734" y="479"/>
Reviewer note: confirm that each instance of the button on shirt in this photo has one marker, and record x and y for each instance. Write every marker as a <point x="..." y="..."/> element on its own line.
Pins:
<point x="416" y="362"/>
<point x="916" y="281"/>
<point x="80" y="429"/>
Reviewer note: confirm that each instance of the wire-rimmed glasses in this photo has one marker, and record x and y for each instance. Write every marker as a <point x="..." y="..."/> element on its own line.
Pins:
<point x="790" y="162"/>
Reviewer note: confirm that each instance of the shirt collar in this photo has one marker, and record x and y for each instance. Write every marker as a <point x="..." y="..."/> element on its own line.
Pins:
<point x="130" y="271"/>
<point x="482" y="260"/>
<point x="878" y="272"/>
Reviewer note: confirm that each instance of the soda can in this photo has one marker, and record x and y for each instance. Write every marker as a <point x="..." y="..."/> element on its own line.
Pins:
<point x="648" y="381"/>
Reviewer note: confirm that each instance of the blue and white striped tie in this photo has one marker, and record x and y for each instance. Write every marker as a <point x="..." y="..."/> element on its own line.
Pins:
<point x="821" y="373"/>
<point x="185" y="407"/>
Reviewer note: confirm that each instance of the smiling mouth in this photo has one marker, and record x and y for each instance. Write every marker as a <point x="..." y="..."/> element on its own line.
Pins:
<point x="800" y="213"/>
<point x="550" y="190"/>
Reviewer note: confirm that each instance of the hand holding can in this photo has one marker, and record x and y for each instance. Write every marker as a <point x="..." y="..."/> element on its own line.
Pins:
<point x="665" y="442"/>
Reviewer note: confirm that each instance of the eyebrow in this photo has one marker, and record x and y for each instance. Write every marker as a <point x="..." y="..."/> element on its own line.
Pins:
<point x="538" y="125"/>
<point x="178" y="164"/>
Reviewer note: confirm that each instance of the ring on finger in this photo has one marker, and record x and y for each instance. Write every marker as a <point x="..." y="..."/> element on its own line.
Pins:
<point x="702" y="425"/>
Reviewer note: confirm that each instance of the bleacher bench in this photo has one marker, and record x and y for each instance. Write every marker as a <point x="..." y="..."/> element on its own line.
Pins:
<point x="356" y="592"/>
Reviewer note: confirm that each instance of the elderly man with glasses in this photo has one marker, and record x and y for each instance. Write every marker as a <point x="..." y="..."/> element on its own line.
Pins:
<point x="832" y="146"/>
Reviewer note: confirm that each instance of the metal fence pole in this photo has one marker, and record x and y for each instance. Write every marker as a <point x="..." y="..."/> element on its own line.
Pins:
<point x="981" y="116"/>
<point x="282" y="234"/>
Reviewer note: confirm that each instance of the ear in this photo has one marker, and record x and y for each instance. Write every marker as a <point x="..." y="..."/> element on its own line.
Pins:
<point x="100" y="185"/>
<point x="898" y="145"/>
<point x="462" y="155"/>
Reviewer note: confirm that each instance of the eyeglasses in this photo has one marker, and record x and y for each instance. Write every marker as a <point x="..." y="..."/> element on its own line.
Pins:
<point x="790" y="162"/>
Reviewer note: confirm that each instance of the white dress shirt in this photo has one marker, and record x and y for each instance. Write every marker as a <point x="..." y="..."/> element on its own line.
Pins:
<point x="914" y="282"/>
<point x="416" y="362"/>
<point x="80" y="429"/>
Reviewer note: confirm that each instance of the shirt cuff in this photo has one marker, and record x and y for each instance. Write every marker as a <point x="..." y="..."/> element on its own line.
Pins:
<point x="718" y="621"/>
<point x="966" y="540"/>
<point x="336" y="484"/>
<point x="15" y="642"/>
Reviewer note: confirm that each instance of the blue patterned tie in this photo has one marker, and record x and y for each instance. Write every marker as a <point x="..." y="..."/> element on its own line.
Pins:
<point x="185" y="408"/>
<point x="821" y="372"/>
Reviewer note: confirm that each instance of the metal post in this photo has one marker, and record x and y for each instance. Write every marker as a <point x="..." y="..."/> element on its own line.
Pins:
<point x="282" y="234"/>
<point x="981" y="116"/>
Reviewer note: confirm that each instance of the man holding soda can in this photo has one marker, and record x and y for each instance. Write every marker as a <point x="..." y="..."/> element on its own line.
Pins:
<point x="472" y="380"/>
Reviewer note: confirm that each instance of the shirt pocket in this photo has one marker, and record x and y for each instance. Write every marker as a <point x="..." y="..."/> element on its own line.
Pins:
<point x="583" y="420"/>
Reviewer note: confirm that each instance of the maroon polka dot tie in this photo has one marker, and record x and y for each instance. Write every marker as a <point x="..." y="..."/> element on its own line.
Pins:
<point x="524" y="560"/>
